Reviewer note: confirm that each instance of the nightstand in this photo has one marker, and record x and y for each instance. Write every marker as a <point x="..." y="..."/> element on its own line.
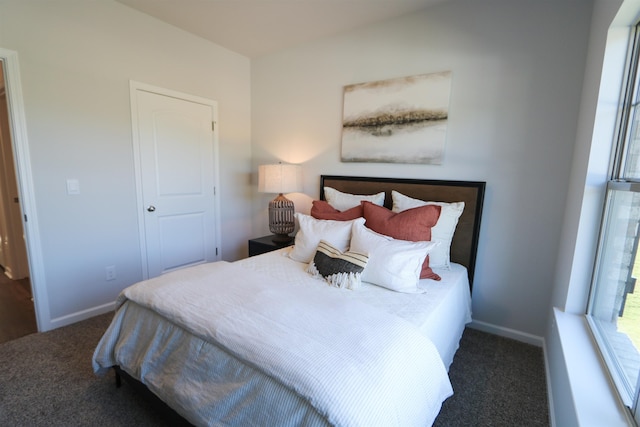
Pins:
<point x="265" y="244"/>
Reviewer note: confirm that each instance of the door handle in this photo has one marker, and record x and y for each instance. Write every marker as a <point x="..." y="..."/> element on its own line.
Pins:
<point x="151" y="208"/>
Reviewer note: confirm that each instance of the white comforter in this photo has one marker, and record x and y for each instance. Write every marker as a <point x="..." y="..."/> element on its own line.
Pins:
<point x="356" y="365"/>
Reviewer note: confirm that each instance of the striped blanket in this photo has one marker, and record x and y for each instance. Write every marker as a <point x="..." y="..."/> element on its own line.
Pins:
<point x="352" y="363"/>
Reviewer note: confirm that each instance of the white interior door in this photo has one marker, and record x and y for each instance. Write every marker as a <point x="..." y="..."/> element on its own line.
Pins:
<point x="177" y="173"/>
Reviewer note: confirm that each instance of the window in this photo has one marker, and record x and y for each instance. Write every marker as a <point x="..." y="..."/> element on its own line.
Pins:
<point x="614" y="303"/>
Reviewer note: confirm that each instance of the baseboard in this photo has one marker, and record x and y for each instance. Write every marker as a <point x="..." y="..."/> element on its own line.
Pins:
<point x="547" y="373"/>
<point x="507" y="333"/>
<point x="80" y="315"/>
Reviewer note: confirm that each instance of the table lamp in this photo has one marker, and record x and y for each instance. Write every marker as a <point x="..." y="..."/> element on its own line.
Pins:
<point x="280" y="178"/>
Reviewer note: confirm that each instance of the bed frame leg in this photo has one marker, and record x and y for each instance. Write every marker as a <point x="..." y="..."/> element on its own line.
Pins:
<point x="118" y="378"/>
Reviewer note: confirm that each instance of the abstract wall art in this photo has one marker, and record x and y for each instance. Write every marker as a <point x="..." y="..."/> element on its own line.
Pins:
<point x="402" y="120"/>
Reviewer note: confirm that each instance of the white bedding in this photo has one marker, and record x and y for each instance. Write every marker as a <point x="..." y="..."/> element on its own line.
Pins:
<point x="179" y="359"/>
<point x="441" y="312"/>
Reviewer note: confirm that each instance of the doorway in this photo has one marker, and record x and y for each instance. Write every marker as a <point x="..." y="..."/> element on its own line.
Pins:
<point x="17" y="311"/>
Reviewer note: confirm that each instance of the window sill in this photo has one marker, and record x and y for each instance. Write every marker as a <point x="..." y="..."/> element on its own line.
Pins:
<point x="594" y="397"/>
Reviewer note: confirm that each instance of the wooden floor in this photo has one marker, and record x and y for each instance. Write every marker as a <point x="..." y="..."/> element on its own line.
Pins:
<point x="17" y="315"/>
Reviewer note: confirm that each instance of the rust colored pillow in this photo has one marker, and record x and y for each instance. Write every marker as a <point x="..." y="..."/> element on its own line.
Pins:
<point x="323" y="210"/>
<point x="413" y="225"/>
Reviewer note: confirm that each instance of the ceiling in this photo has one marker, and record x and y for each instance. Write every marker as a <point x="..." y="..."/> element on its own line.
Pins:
<point x="258" y="27"/>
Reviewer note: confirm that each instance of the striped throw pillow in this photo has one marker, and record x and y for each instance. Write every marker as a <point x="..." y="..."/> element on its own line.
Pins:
<point x="339" y="269"/>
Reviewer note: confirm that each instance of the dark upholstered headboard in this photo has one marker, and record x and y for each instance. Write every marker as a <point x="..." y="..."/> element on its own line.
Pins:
<point x="465" y="240"/>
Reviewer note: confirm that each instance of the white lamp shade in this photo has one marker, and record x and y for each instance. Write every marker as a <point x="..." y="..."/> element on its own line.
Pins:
<point x="280" y="178"/>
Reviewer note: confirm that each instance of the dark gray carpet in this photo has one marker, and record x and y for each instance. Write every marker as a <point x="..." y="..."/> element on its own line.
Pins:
<point x="496" y="382"/>
<point x="46" y="380"/>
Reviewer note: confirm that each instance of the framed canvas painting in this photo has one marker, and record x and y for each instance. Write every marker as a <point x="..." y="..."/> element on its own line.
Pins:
<point x="402" y="120"/>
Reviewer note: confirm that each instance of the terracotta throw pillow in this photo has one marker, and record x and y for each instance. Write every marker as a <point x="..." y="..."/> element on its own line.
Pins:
<point x="413" y="225"/>
<point x="323" y="210"/>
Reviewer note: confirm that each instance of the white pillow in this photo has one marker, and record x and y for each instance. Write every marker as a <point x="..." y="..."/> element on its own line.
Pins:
<point x="343" y="201"/>
<point x="393" y="264"/>
<point x="311" y="231"/>
<point x="442" y="232"/>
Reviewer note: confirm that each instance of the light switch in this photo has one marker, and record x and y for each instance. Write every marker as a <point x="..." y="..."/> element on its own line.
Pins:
<point x="73" y="186"/>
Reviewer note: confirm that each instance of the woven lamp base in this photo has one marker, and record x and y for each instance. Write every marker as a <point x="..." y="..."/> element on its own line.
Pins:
<point x="281" y="218"/>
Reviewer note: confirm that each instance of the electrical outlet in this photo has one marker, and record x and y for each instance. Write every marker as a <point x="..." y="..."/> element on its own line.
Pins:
<point x="110" y="272"/>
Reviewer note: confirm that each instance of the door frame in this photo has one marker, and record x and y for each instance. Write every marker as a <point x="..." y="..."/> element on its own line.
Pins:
<point x="22" y="161"/>
<point x="134" y="87"/>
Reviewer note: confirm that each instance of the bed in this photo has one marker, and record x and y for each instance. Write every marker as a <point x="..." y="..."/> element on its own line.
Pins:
<point x="268" y="341"/>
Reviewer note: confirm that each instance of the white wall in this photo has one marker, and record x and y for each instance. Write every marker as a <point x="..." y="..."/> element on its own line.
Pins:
<point x="576" y="375"/>
<point x="517" y="76"/>
<point x="593" y="149"/>
<point x="76" y="60"/>
<point x="517" y="79"/>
